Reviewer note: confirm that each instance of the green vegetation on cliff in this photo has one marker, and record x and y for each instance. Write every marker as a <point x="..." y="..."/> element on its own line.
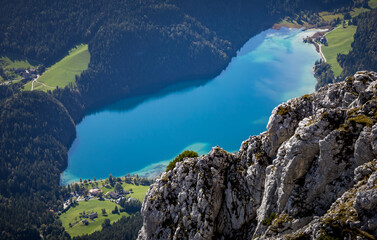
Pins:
<point x="180" y="157"/>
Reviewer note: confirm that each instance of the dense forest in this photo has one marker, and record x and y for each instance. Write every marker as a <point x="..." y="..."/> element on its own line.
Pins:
<point x="136" y="47"/>
<point x="174" y="40"/>
<point x="35" y="132"/>
<point x="323" y="73"/>
<point x="193" y="42"/>
<point x="363" y="55"/>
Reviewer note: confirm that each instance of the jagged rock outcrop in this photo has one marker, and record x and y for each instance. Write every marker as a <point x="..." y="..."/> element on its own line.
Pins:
<point x="311" y="175"/>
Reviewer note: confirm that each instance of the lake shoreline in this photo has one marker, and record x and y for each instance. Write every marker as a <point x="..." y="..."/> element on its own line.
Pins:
<point x="323" y="31"/>
<point x="126" y="131"/>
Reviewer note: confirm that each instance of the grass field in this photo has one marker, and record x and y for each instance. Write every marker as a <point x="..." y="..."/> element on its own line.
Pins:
<point x="16" y="61"/>
<point x="37" y="86"/>
<point x="373" y="3"/>
<point x="292" y="24"/>
<point x="27" y="86"/>
<point x="328" y="16"/>
<point x="63" y="72"/>
<point x="72" y="216"/>
<point x="9" y="61"/>
<point x="356" y="11"/>
<point x="339" y="41"/>
<point x="138" y="191"/>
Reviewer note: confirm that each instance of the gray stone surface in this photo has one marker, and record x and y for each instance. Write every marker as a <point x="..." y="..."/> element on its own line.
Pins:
<point x="314" y="165"/>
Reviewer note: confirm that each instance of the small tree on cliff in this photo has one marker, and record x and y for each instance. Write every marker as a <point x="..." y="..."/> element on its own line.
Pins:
<point x="180" y="157"/>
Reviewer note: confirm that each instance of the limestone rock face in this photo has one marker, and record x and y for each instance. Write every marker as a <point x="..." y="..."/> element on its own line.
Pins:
<point x="311" y="175"/>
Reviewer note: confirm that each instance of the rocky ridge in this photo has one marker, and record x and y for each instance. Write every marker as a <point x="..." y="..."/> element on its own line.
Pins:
<point x="311" y="175"/>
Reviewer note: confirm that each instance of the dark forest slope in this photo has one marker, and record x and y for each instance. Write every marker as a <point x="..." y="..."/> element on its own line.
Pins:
<point x="35" y="133"/>
<point x="140" y="46"/>
<point x="175" y="41"/>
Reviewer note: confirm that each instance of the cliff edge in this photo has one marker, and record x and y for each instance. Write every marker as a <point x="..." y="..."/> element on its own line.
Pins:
<point x="311" y="175"/>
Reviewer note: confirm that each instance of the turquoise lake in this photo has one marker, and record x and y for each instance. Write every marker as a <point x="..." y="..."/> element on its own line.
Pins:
<point x="141" y="135"/>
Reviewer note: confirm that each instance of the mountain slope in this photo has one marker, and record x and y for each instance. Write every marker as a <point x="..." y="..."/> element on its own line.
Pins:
<point x="138" y="47"/>
<point x="317" y="158"/>
<point x="35" y="134"/>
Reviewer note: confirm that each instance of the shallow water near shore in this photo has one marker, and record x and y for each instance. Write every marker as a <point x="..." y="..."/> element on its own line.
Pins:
<point x="141" y="135"/>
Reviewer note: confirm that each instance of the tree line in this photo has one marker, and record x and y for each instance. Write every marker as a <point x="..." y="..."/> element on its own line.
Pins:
<point x="126" y="228"/>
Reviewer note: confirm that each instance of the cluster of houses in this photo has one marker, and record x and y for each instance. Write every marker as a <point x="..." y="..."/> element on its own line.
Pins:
<point x="26" y="73"/>
<point x="95" y="192"/>
<point x="321" y="39"/>
<point x="91" y="216"/>
<point x="116" y="196"/>
<point x="316" y="38"/>
<point x="67" y="203"/>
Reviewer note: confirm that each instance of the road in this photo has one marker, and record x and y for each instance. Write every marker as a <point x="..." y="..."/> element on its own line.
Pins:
<point x="321" y="53"/>
<point x="7" y="82"/>
<point x="320" y="45"/>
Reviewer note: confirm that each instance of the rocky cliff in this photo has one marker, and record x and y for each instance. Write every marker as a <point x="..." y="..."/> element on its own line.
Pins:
<point x="311" y="175"/>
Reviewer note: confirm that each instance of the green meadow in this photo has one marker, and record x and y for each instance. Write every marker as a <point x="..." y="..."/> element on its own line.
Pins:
<point x="9" y="61"/>
<point x="63" y="72"/>
<point x="328" y="16"/>
<point x="138" y="191"/>
<point x="356" y="11"/>
<point x="73" y="216"/>
<point x="339" y="41"/>
<point x="372" y="3"/>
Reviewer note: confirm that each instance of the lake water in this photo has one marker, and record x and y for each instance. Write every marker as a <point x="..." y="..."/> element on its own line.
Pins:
<point x="141" y="135"/>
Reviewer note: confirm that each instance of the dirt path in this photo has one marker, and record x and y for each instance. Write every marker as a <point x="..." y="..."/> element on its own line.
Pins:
<point x="320" y="45"/>
<point x="10" y="81"/>
<point x="36" y="81"/>
<point x="32" y="83"/>
<point x="321" y="53"/>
